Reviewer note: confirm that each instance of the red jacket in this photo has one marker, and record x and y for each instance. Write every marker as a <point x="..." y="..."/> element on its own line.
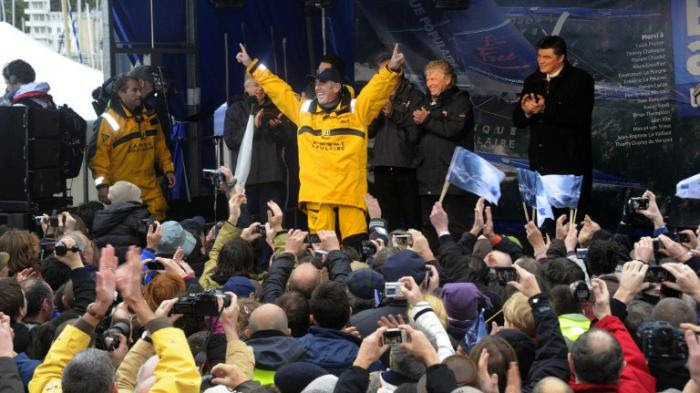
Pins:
<point x="635" y="377"/>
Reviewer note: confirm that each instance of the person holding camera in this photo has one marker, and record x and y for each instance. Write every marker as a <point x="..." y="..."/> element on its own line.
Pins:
<point x="268" y="177"/>
<point x="130" y="143"/>
<point x="606" y="358"/>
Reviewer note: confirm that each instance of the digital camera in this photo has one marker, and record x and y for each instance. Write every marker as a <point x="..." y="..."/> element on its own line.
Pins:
<point x="109" y="340"/>
<point x="203" y="303"/>
<point x="394" y="336"/>
<point x="392" y="289"/>
<point x="502" y="275"/>
<point x="640" y="203"/>
<point x="661" y="340"/>
<point x="657" y="274"/>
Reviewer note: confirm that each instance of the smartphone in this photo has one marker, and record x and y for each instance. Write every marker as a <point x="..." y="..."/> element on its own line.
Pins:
<point x="502" y="275"/>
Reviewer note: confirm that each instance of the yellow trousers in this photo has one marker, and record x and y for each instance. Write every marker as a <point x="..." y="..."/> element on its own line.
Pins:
<point x="323" y="216"/>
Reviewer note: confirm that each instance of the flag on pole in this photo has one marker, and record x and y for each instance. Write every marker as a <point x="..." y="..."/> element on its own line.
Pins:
<point x="544" y="208"/>
<point x="245" y="154"/>
<point x="527" y="185"/>
<point x="689" y="188"/>
<point x="563" y="191"/>
<point x="474" y="174"/>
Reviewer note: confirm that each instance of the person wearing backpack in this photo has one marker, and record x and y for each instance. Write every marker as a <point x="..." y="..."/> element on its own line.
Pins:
<point x="129" y="145"/>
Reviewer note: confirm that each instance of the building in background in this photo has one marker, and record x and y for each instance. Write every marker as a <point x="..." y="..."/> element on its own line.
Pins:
<point x="48" y="26"/>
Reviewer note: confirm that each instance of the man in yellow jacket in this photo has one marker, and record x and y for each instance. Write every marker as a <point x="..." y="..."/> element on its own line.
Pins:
<point x="332" y="140"/>
<point x="130" y="142"/>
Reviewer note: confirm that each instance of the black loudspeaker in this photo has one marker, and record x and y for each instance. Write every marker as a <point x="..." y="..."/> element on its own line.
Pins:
<point x="30" y="154"/>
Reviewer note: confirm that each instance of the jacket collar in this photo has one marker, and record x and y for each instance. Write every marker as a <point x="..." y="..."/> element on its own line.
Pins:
<point x="445" y="95"/>
<point x="590" y="387"/>
<point x="332" y="333"/>
<point x="267" y="333"/>
<point x="342" y="107"/>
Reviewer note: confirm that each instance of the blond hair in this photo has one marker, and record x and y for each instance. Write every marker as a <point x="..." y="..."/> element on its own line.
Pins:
<point x="438" y="307"/>
<point x="517" y="312"/>
<point x="444" y="67"/>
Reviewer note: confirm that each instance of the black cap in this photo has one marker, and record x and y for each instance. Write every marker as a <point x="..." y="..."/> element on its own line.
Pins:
<point x="329" y="74"/>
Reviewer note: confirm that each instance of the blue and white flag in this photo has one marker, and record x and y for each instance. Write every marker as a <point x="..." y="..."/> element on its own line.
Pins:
<point x="474" y="174"/>
<point x="563" y="191"/>
<point x="544" y="208"/>
<point x="689" y="188"/>
<point x="527" y="184"/>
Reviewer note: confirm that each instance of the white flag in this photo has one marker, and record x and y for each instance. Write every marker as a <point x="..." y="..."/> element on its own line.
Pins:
<point x="245" y="154"/>
<point x="689" y="188"/>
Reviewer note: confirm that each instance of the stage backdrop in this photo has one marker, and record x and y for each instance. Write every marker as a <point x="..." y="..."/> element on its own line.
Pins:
<point x="643" y="54"/>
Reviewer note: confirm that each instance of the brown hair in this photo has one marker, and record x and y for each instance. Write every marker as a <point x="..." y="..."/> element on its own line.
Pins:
<point x="23" y="247"/>
<point x="163" y="286"/>
<point x="11" y="298"/>
<point x="501" y="353"/>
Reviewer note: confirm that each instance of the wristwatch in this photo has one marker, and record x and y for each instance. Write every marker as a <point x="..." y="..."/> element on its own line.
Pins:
<point x="91" y="310"/>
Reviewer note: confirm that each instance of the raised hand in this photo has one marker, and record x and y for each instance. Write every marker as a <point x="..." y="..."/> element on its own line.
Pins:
<point x="243" y="57"/>
<point x="397" y="59"/>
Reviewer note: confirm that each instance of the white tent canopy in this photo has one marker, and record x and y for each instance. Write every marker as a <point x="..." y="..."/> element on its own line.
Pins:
<point x="71" y="83"/>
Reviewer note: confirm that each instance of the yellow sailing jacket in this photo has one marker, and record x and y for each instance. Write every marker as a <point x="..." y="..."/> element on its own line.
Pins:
<point x="332" y="146"/>
<point x="128" y="147"/>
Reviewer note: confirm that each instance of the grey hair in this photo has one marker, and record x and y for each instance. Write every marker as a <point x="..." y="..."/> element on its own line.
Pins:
<point x="89" y="371"/>
<point x="407" y="364"/>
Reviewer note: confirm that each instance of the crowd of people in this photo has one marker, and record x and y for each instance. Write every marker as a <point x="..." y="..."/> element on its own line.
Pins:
<point x="400" y="293"/>
<point x="179" y="307"/>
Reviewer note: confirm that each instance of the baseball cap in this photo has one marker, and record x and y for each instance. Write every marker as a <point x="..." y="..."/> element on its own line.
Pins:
<point x="329" y="74"/>
<point x="175" y="236"/>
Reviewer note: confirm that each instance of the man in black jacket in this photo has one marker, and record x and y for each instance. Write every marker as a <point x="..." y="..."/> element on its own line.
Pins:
<point x="557" y="103"/>
<point x="447" y="121"/>
<point x="268" y="177"/>
<point x="395" y="140"/>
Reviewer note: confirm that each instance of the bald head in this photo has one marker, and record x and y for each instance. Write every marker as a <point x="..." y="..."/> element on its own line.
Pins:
<point x="498" y="259"/>
<point x="596" y="358"/>
<point x="552" y="385"/>
<point x="304" y="279"/>
<point x="267" y="317"/>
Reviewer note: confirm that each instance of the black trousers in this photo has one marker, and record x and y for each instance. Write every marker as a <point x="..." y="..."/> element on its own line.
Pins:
<point x="397" y="191"/>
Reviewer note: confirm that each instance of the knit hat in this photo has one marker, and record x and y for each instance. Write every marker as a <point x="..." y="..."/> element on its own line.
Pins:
<point x="239" y="285"/>
<point x="463" y="300"/>
<point x="4" y="259"/>
<point x="173" y="237"/>
<point x="294" y="377"/>
<point x="194" y="224"/>
<point x="123" y="191"/>
<point x="404" y="263"/>
<point x="323" y="384"/>
<point x="362" y="283"/>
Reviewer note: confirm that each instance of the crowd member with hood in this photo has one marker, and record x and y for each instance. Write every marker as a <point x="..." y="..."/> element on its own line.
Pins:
<point x="130" y="143"/>
<point x="124" y="222"/>
<point x="269" y="335"/>
<point x="22" y="90"/>
<point x="446" y="121"/>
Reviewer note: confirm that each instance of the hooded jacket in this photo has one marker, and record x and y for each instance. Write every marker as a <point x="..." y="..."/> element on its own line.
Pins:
<point x="121" y="225"/>
<point x="331" y="349"/>
<point x="272" y="349"/>
<point x="34" y="95"/>
<point x="635" y="376"/>
<point x="332" y="145"/>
